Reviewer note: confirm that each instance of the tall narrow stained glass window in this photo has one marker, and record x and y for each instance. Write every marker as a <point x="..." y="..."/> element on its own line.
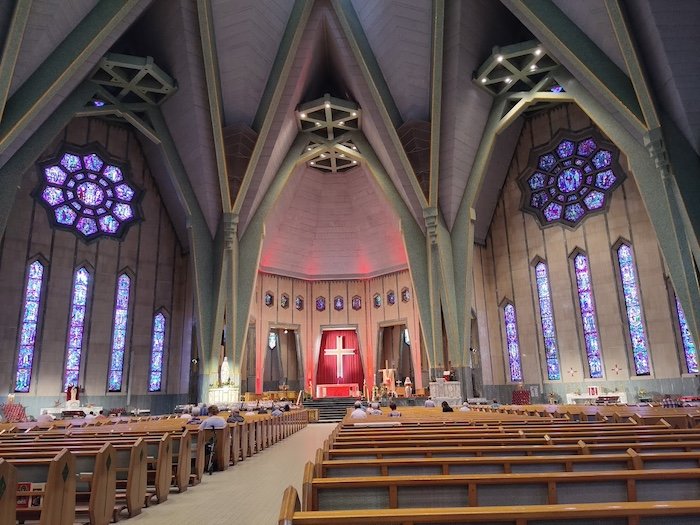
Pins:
<point x="30" y="319"/>
<point x="155" y="376"/>
<point x="689" y="349"/>
<point x="76" y="327"/>
<point x="512" y="342"/>
<point x="121" y="317"/>
<point x="633" y="307"/>
<point x="551" y="352"/>
<point x="588" y="316"/>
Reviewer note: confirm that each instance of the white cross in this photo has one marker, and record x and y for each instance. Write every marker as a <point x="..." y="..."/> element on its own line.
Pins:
<point x="339" y="352"/>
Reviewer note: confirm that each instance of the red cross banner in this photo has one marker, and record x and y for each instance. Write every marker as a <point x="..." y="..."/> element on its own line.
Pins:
<point x="339" y="358"/>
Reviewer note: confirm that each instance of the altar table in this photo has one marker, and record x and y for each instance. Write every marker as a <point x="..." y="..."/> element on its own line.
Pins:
<point x="337" y="390"/>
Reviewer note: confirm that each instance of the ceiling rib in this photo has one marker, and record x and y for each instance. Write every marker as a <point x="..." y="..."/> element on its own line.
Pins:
<point x="10" y="51"/>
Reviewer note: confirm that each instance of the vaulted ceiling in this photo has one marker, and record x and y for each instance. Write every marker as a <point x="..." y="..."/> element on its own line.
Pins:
<point x="270" y="56"/>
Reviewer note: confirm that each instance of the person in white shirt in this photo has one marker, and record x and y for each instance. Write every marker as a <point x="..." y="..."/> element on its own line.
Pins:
<point x="214" y="420"/>
<point x="90" y="418"/>
<point x="374" y="410"/>
<point x="465" y="407"/>
<point x="429" y="403"/>
<point x="358" y="413"/>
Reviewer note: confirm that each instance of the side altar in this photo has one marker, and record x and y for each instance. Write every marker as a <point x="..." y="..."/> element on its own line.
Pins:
<point x="224" y="395"/>
<point x="450" y="391"/>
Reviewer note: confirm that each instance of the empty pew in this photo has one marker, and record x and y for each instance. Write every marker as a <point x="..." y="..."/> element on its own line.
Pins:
<point x="56" y="500"/>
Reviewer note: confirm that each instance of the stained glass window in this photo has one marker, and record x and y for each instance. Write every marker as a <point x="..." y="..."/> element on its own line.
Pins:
<point x="87" y="192"/>
<point x="320" y="304"/>
<point x="76" y="326"/>
<point x="272" y="339"/>
<point x="269" y="299"/>
<point x="30" y="319"/>
<point x="689" y="349"/>
<point x="356" y="302"/>
<point x="284" y="301"/>
<point x="338" y="303"/>
<point x="377" y="300"/>
<point x="121" y="317"/>
<point x="155" y="377"/>
<point x="551" y="352"/>
<point x="588" y="316"/>
<point x="512" y="343"/>
<point x="405" y="295"/>
<point x="633" y="306"/>
<point x="391" y="297"/>
<point x="299" y="303"/>
<point x="570" y="178"/>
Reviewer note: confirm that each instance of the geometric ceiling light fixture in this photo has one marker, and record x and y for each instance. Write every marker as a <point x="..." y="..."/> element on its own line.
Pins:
<point x="133" y="79"/>
<point x="327" y="121"/>
<point x="521" y="75"/>
<point x="570" y="178"/>
<point x="86" y="191"/>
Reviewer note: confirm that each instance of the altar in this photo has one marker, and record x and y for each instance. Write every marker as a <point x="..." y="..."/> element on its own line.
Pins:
<point x="73" y="409"/>
<point x="450" y="391"/>
<point x="224" y="395"/>
<point x="338" y="390"/>
<point x="592" y="398"/>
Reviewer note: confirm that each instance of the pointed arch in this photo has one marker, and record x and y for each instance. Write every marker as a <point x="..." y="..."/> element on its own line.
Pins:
<point x="120" y="324"/>
<point x="510" y="325"/>
<point x="158" y="346"/>
<point x="76" y="326"/>
<point x="549" y="333"/>
<point x="632" y="300"/>
<point x="587" y="312"/>
<point x="29" y="323"/>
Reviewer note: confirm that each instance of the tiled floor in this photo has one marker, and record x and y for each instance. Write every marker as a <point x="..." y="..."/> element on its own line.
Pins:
<point x="249" y="493"/>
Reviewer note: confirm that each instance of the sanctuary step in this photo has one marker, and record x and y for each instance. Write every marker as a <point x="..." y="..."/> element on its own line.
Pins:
<point x="330" y="409"/>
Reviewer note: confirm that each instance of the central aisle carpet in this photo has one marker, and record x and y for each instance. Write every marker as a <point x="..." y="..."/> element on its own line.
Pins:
<point x="249" y="493"/>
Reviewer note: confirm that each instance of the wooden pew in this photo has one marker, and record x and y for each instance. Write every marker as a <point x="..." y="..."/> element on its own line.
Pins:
<point x="473" y="490"/>
<point x="8" y="490"/>
<point x="677" y="512"/>
<point x="59" y="475"/>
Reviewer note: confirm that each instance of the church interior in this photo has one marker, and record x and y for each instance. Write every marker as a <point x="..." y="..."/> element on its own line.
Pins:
<point x="231" y="202"/>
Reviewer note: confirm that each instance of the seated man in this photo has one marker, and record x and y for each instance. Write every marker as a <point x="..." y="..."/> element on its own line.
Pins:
<point x="235" y="416"/>
<point x="394" y="412"/>
<point x="464" y="407"/>
<point x="214" y="420"/>
<point x="91" y="417"/>
<point x="358" y="413"/>
<point x="276" y="411"/>
<point x="45" y="418"/>
<point x="375" y="410"/>
<point x="429" y="403"/>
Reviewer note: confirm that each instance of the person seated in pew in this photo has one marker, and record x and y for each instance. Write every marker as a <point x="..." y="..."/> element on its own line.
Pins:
<point x="446" y="407"/>
<point x="276" y="411"/>
<point x="195" y="415"/>
<point x="464" y="407"/>
<point x="286" y="408"/>
<point x="235" y="416"/>
<point x="45" y="418"/>
<point x="91" y="417"/>
<point x="358" y="413"/>
<point x="101" y="416"/>
<point x="214" y="420"/>
<point x="250" y="412"/>
<point x="394" y="412"/>
<point x="374" y="410"/>
<point x="429" y="403"/>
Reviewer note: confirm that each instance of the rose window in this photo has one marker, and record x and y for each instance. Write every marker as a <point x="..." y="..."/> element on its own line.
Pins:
<point x="84" y="190"/>
<point x="570" y="178"/>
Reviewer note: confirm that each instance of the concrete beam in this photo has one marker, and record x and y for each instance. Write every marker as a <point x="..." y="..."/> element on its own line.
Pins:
<point x="436" y="98"/>
<point x="10" y="51"/>
<point x="63" y="63"/>
<point x="211" y="69"/>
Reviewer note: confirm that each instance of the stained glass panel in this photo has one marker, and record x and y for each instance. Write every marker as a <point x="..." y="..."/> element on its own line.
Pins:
<point x="356" y="302"/>
<point x="75" y="330"/>
<point x="25" y="354"/>
<point x="512" y="343"/>
<point x="405" y="295"/>
<point x="121" y="316"/>
<point x="587" y="305"/>
<point x="377" y="300"/>
<point x="284" y="300"/>
<point x="320" y="304"/>
<point x="299" y="302"/>
<point x="635" y="323"/>
<point x="690" y="351"/>
<point x="156" y="373"/>
<point x="85" y="194"/>
<point x="570" y="180"/>
<point x="551" y="352"/>
<point x="391" y="297"/>
<point x="338" y="303"/>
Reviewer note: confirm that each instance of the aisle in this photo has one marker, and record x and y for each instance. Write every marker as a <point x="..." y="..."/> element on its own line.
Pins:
<point x="249" y="493"/>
